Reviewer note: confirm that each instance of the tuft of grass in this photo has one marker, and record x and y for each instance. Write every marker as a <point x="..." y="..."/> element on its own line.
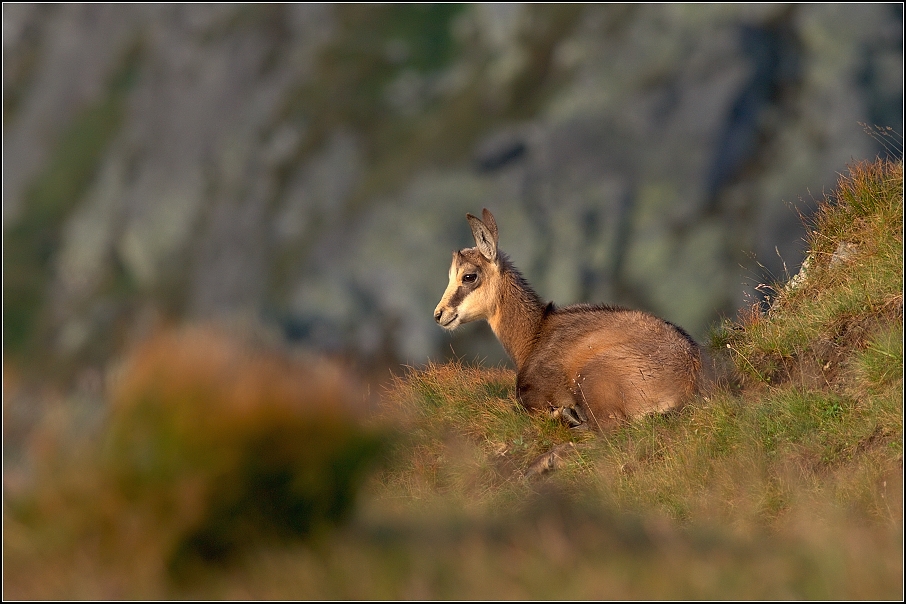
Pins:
<point x="466" y="432"/>
<point x="851" y="285"/>
<point x="880" y="363"/>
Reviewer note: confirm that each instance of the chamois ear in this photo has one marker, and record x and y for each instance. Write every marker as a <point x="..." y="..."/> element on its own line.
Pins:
<point x="488" y="219"/>
<point x="485" y="239"/>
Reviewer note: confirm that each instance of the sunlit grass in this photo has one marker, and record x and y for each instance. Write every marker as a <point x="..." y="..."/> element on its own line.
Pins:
<point x="852" y="284"/>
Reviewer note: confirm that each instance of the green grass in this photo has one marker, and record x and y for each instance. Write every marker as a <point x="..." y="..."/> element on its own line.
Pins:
<point x="788" y="489"/>
<point x="853" y="286"/>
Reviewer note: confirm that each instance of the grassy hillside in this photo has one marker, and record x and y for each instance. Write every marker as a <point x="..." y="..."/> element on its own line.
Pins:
<point x="789" y="489"/>
<point x="822" y="372"/>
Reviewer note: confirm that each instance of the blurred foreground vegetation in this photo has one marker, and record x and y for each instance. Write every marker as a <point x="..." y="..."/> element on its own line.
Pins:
<point x="229" y="469"/>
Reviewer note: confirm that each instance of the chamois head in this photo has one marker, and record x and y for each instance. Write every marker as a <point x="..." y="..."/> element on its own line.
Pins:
<point x="472" y="292"/>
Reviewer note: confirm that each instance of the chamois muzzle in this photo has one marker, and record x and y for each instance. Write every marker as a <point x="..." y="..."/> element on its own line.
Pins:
<point x="444" y="318"/>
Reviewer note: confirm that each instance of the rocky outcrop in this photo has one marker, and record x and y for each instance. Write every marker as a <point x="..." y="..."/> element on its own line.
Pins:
<point x="307" y="167"/>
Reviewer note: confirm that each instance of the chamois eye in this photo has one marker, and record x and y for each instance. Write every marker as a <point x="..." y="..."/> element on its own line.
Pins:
<point x="469" y="278"/>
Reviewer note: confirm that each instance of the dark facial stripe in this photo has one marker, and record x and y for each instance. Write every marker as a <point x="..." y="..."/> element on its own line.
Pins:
<point x="458" y="296"/>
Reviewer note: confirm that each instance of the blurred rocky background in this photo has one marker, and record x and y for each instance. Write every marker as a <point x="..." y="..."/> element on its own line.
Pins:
<point x="304" y="169"/>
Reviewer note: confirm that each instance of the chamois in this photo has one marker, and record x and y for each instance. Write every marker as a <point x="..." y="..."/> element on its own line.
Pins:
<point x="589" y="365"/>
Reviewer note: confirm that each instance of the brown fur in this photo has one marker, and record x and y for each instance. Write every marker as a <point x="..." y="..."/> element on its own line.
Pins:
<point x="610" y="363"/>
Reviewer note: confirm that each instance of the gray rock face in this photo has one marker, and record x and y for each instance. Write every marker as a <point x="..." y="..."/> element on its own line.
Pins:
<point x="308" y="167"/>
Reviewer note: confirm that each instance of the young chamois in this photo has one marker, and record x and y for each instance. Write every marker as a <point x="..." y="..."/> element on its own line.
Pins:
<point x="588" y="365"/>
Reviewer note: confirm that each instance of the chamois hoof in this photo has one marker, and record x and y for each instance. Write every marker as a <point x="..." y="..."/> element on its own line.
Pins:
<point x="572" y="416"/>
<point x="550" y="461"/>
<point x="580" y="413"/>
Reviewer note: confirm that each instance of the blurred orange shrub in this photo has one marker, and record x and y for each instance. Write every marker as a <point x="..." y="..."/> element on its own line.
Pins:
<point x="214" y="443"/>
